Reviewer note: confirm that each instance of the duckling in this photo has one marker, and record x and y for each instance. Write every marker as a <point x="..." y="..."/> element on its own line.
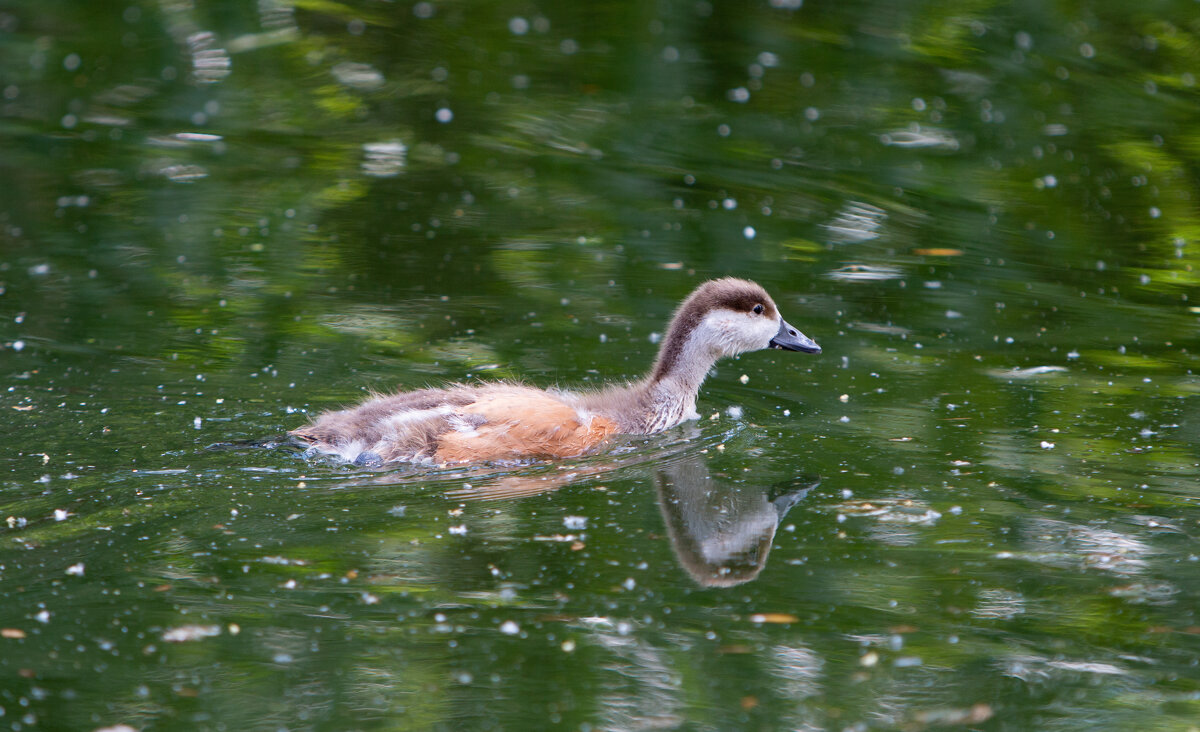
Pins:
<point x="511" y="422"/>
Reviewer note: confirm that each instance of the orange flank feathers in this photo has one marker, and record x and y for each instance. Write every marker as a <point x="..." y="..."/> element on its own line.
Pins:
<point x="523" y="424"/>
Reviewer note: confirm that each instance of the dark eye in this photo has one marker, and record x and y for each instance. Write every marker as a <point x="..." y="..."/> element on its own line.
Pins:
<point x="758" y="309"/>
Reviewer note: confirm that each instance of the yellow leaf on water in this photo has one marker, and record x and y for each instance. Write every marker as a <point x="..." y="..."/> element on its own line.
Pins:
<point x="938" y="252"/>
<point x="773" y="618"/>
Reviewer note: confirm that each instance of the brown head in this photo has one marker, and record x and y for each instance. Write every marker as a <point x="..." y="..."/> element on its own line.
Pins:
<point x="725" y="317"/>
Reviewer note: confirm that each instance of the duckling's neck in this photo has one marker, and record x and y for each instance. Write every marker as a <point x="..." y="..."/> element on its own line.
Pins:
<point x="666" y="397"/>
<point x="679" y="371"/>
<point x="670" y="401"/>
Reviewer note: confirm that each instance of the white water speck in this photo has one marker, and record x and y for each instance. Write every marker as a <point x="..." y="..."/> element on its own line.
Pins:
<point x="190" y="633"/>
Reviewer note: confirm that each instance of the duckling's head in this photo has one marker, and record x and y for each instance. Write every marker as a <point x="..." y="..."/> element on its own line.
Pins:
<point x="721" y="318"/>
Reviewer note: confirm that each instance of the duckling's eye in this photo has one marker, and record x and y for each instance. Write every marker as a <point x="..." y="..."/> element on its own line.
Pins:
<point x="758" y="309"/>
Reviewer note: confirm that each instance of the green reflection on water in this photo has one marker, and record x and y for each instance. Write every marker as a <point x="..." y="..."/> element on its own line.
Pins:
<point x="984" y="212"/>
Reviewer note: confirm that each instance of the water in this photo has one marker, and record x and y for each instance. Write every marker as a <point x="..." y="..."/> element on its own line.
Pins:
<point x="975" y="509"/>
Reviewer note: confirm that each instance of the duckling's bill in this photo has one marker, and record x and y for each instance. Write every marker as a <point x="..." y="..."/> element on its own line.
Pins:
<point x="789" y="338"/>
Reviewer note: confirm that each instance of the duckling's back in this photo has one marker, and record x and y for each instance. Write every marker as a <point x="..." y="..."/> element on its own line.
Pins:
<point x="460" y="424"/>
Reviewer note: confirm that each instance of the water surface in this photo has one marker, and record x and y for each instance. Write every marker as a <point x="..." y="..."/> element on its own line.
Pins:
<point x="976" y="509"/>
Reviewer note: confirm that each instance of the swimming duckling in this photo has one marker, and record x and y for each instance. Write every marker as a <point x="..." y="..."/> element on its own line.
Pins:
<point x="505" y="422"/>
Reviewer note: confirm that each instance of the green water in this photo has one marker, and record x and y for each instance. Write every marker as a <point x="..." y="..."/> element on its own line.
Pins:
<point x="976" y="509"/>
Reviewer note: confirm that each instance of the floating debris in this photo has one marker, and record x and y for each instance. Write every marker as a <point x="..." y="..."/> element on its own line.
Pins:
<point x="937" y="252"/>
<point x="778" y="618"/>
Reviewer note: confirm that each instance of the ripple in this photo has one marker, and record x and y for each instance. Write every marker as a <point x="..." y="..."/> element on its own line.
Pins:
<point x="209" y="64"/>
<point x="1029" y="373"/>
<point x="890" y="510"/>
<point x="856" y="222"/>
<point x="358" y="76"/>
<point x="384" y="159"/>
<point x="920" y="138"/>
<point x="864" y="273"/>
<point x="183" y="173"/>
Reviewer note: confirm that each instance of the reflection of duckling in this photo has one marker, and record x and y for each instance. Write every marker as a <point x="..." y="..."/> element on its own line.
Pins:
<point x="503" y="421"/>
<point x="721" y="533"/>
